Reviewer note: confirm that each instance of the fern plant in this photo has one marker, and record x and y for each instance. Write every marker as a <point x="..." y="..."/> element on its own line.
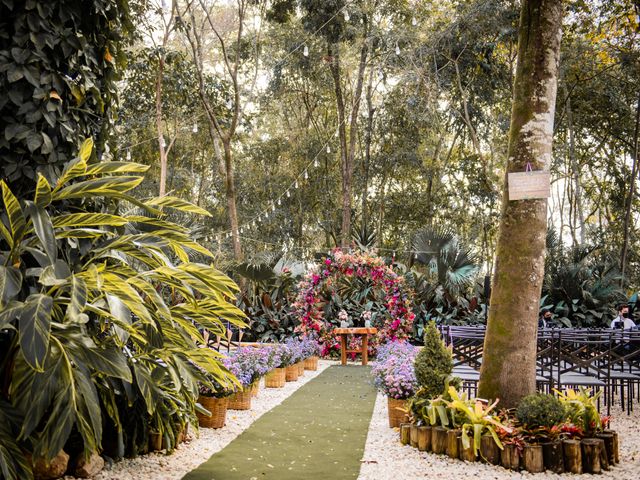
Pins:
<point x="98" y="317"/>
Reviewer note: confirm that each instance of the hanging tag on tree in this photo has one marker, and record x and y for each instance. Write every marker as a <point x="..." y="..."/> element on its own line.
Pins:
<point x="529" y="184"/>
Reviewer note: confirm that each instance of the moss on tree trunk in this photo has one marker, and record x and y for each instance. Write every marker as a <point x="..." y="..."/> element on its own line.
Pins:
<point x="508" y="368"/>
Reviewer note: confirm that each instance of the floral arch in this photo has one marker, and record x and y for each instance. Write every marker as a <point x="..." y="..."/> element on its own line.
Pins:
<point x="395" y="322"/>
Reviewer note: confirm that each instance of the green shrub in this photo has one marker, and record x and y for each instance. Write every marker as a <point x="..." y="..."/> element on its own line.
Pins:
<point x="540" y="410"/>
<point x="433" y="365"/>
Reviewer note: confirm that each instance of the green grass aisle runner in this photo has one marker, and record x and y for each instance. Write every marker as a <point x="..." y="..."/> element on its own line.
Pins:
<point x="318" y="432"/>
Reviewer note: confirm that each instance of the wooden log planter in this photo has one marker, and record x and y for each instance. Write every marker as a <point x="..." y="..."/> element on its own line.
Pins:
<point x="405" y="433"/>
<point x="452" y="443"/>
<point x="413" y="436"/>
<point x="424" y="438"/>
<point x="533" y="458"/>
<point x="510" y="457"/>
<point x="466" y="454"/>
<point x="589" y="455"/>
<point x="489" y="450"/>
<point x="553" y="457"/>
<point x="439" y="440"/>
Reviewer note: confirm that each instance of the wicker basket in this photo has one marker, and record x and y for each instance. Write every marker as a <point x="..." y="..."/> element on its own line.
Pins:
<point x="275" y="378"/>
<point x="218" y="409"/>
<point x="311" y="363"/>
<point x="240" y="400"/>
<point x="396" y="415"/>
<point x="255" y="388"/>
<point x="291" y="373"/>
<point x="300" y="366"/>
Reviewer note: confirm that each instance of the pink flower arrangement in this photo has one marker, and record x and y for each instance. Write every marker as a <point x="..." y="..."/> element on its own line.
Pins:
<point x="397" y="320"/>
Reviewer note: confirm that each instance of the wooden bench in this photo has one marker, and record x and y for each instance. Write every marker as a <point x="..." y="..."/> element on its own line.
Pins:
<point x="364" y="332"/>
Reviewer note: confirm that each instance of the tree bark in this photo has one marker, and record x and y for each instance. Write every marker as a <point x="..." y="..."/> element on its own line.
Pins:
<point x="334" y="66"/>
<point x="161" y="148"/>
<point x="347" y="152"/>
<point x="578" y="211"/>
<point x="509" y="363"/>
<point x="632" y="191"/>
<point x="230" y="189"/>
<point x="367" y="150"/>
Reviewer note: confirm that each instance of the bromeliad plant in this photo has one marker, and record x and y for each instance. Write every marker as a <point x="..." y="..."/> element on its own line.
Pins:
<point x="582" y="411"/>
<point x="99" y="315"/>
<point x="477" y="419"/>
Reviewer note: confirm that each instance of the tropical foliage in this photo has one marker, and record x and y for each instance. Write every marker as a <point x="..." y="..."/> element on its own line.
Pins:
<point x="99" y="315"/>
<point x="46" y="106"/>
<point x="268" y="295"/>
<point x="582" y="284"/>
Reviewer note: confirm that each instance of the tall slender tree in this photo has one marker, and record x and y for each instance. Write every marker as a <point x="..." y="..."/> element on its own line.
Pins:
<point x="509" y="361"/>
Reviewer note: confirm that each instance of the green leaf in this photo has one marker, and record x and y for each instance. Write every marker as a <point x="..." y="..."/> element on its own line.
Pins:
<point x="98" y="187"/>
<point x="43" y="192"/>
<point x="75" y="168"/>
<point x="110" y="362"/>
<point x="88" y="220"/>
<point x="44" y="231"/>
<point x="35" y="328"/>
<point x="78" y="298"/>
<point x="10" y="283"/>
<point x="86" y="149"/>
<point x="17" y="221"/>
<point x="13" y="464"/>
<point x="116" y="167"/>
<point x="146" y="386"/>
<point x="177" y="204"/>
<point x="5" y="234"/>
<point x="9" y="313"/>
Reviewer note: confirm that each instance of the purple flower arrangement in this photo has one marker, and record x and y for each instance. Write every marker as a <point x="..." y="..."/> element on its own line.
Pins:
<point x="248" y="364"/>
<point x="393" y="373"/>
<point x="398" y="348"/>
<point x="310" y="347"/>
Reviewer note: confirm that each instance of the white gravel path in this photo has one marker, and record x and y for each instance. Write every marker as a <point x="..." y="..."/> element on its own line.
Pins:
<point x="194" y="451"/>
<point x="385" y="457"/>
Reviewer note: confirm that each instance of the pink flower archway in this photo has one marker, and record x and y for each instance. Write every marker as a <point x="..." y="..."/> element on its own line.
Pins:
<point x="397" y="319"/>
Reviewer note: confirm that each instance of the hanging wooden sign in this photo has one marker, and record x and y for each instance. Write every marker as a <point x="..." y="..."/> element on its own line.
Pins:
<point x="529" y="184"/>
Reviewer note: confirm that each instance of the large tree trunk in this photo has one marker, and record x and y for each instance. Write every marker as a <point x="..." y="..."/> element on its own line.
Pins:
<point x="578" y="211"/>
<point x="161" y="148"/>
<point x="367" y="150"/>
<point x="632" y="191"/>
<point x="334" y="65"/>
<point x="230" y="190"/>
<point x="509" y="362"/>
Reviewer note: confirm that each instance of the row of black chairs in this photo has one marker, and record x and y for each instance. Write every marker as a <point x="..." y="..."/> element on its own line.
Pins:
<point x="607" y="360"/>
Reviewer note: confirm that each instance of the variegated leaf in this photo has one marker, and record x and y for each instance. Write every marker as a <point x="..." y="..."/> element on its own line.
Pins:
<point x="35" y="328"/>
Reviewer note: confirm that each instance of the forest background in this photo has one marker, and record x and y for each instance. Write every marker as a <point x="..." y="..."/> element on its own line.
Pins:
<point x="305" y="125"/>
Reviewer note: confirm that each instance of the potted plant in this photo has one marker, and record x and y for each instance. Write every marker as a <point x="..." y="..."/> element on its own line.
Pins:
<point x="248" y="365"/>
<point x="394" y="376"/>
<point x="478" y="426"/>
<point x="541" y="416"/>
<point x="512" y="440"/>
<point x="587" y="426"/>
<point x="213" y="401"/>
<point x="276" y="376"/>
<point x="312" y="351"/>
